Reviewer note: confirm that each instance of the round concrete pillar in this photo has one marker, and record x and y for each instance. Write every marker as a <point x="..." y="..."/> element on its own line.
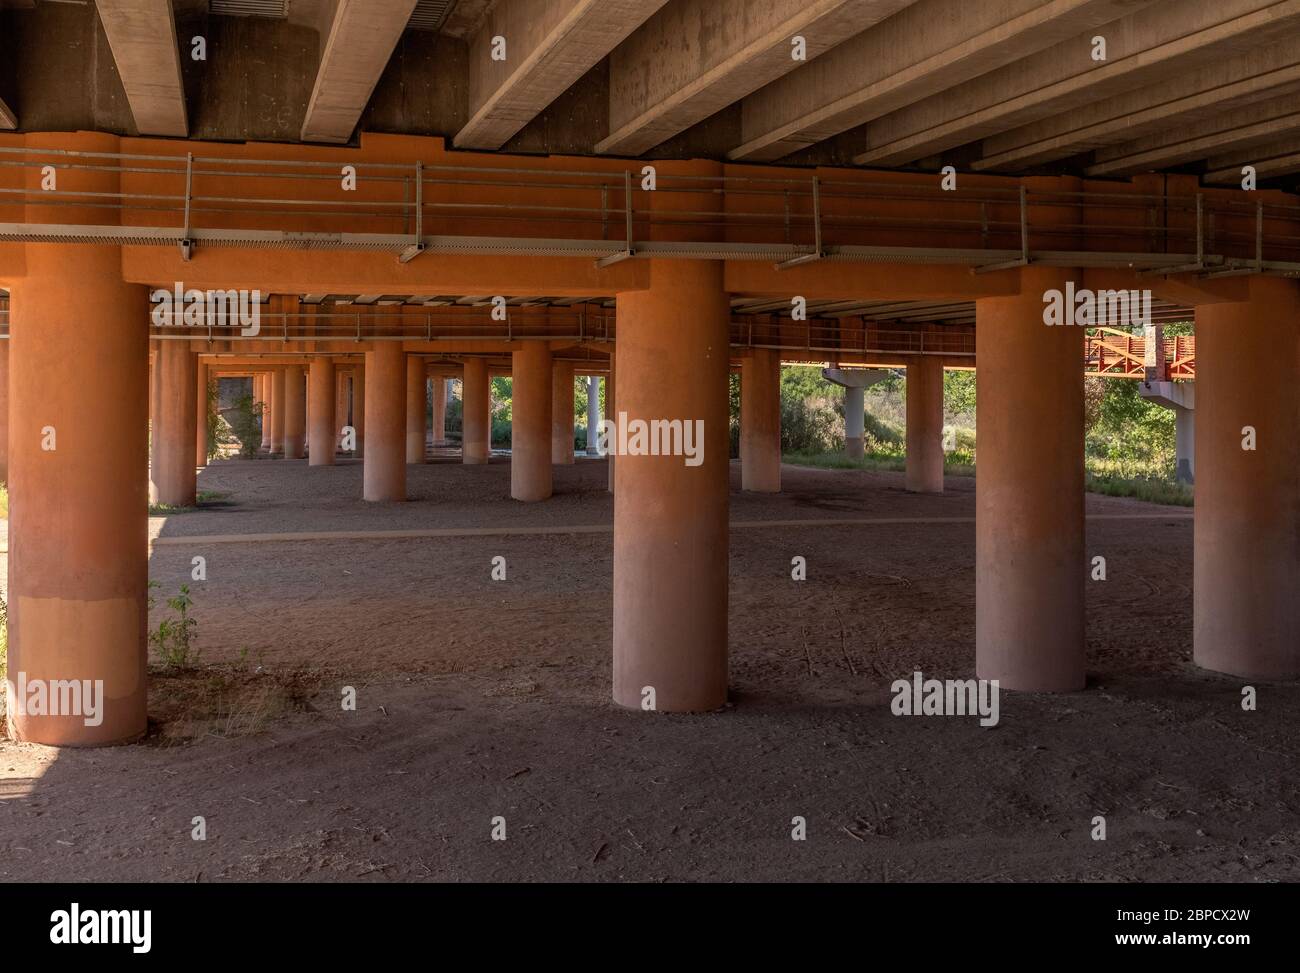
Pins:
<point x="611" y="414"/>
<point x="475" y="413"/>
<point x="438" y="394"/>
<point x="202" y="409"/>
<point x="855" y="422"/>
<point x="593" y="413"/>
<point x="171" y="464"/>
<point x="78" y="517"/>
<point x="262" y="396"/>
<point x="760" y="421"/>
<point x="295" y="412"/>
<point x="1246" y="599"/>
<point x="321" y="391"/>
<point x="670" y="511"/>
<point x="530" y="422"/>
<point x="359" y="410"/>
<point x="562" y="413"/>
<point x="4" y="412"/>
<point x="1030" y="568"/>
<point x="277" y="411"/>
<point x="417" y="401"/>
<point x="384" y="472"/>
<point x="924" y="426"/>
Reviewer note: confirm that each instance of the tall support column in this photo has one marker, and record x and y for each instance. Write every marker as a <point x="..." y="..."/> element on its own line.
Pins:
<point x="924" y="426"/>
<point x="593" y="413"/>
<point x="277" y="411"/>
<point x="262" y="396"/>
<point x="1030" y="568"/>
<point x="475" y="412"/>
<point x="202" y="409"/>
<point x="321" y="390"/>
<point x="562" y="413"/>
<point x="670" y="517"/>
<point x="171" y="466"/>
<point x="384" y="471"/>
<point x="359" y="410"/>
<point x="760" y="421"/>
<point x="295" y="411"/>
<point x="438" y="394"/>
<point x="4" y="411"/>
<point x="611" y="413"/>
<point x="530" y="423"/>
<point x="417" y="403"/>
<point x="78" y="517"/>
<point x="855" y="421"/>
<point x="1246" y="609"/>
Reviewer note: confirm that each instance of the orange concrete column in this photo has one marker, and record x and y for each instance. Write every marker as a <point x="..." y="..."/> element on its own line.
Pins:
<point x="295" y="412"/>
<point x="277" y="411"/>
<point x="4" y="411"/>
<point x="562" y="413"/>
<point x="611" y="413"/>
<point x="438" y="386"/>
<point x="384" y="472"/>
<point x="1029" y="554"/>
<point x="359" y="410"/>
<point x="340" y="402"/>
<point x="670" y="517"/>
<point x="1246" y="599"/>
<point x="321" y="390"/>
<point x="171" y="465"/>
<point x="78" y="516"/>
<point x="530" y="422"/>
<point x="475" y="413"/>
<point x="201" y="410"/>
<point x="760" y="421"/>
<point x="924" y="426"/>
<point x="417" y="415"/>
<point x="262" y="395"/>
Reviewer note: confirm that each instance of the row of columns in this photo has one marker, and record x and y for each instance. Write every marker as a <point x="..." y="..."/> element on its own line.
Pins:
<point x="78" y="562"/>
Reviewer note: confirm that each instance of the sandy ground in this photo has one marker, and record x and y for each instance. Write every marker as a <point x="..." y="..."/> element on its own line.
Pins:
<point x="481" y="699"/>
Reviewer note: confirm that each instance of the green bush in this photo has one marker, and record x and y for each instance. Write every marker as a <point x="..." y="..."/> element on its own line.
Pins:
<point x="245" y="419"/>
<point x="173" y="640"/>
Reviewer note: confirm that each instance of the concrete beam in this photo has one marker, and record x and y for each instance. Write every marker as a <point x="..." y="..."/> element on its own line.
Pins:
<point x="550" y="44"/>
<point x="1248" y="78"/>
<point x="697" y="56"/>
<point x="142" y="34"/>
<point x="1240" y="128"/>
<point x="1274" y="159"/>
<point x="926" y="49"/>
<point x="1145" y="48"/>
<point x="360" y="42"/>
<point x="7" y="118"/>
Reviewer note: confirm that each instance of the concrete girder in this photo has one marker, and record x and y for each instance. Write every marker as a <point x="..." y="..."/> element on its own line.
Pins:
<point x="1235" y="82"/>
<point x="142" y="34"/>
<point x="1240" y="128"/>
<point x="1273" y="159"/>
<point x="926" y="49"/>
<point x="1143" y="48"/>
<point x="360" y="41"/>
<point x="7" y="117"/>
<point x="549" y="46"/>
<point x="733" y="48"/>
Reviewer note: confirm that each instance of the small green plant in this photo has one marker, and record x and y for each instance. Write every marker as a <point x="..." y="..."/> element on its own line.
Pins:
<point x="173" y="640"/>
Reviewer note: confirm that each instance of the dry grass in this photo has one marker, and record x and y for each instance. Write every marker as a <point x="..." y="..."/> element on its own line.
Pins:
<point x="224" y="701"/>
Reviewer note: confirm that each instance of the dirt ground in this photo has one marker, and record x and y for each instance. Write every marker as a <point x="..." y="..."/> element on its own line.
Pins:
<point x="479" y="699"/>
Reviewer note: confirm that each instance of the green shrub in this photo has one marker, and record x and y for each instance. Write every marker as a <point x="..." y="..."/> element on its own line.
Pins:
<point x="173" y="640"/>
